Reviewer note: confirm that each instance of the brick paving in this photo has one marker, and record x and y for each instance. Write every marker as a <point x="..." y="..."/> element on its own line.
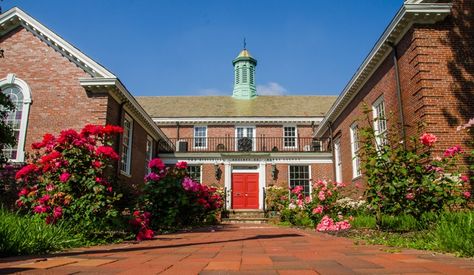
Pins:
<point x="241" y="249"/>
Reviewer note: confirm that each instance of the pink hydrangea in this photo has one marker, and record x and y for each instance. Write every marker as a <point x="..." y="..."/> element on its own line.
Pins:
<point x="428" y="139"/>
<point x="328" y="224"/>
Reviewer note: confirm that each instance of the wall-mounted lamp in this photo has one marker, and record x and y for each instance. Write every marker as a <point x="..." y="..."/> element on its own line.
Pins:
<point x="217" y="171"/>
<point x="2" y="55"/>
<point x="274" y="171"/>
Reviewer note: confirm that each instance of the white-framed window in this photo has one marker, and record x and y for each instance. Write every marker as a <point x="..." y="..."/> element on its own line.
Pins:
<point x="338" y="159"/>
<point x="149" y="152"/>
<point x="200" y="137"/>
<point x="194" y="172"/>
<point x="354" y="130"/>
<point x="380" y="122"/>
<point x="126" y="159"/>
<point x="290" y="137"/>
<point x="300" y="175"/>
<point x="20" y="94"/>
<point x="245" y="138"/>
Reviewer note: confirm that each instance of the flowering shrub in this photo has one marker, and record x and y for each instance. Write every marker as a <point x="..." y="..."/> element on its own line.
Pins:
<point x="276" y="198"/>
<point x="407" y="178"/>
<point x="65" y="176"/>
<point x="174" y="199"/>
<point x="140" y="222"/>
<point x="321" y="209"/>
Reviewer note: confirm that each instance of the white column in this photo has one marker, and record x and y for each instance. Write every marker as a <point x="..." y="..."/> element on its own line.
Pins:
<point x="262" y="182"/>
<point x="228" y="183"/>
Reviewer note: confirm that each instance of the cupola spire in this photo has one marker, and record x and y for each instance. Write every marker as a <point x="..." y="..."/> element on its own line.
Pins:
<point x="244" y="75"/>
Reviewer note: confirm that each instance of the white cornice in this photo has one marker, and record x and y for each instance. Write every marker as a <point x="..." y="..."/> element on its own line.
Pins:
<point x="15" y="17"/>
<point x="236" y="120"/>
<point x="121" y="94"/>
<point x="400" y="24"/>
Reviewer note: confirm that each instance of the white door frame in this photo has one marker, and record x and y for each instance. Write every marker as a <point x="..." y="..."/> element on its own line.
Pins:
<point x="228" y="179"/>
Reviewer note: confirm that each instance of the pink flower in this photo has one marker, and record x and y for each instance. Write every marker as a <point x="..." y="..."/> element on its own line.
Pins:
<point x="307" y="199"/>
<point x="451" y="152"/>
<point x="328" y="224"/>
<point x="410" y="196"/>
<point x="49" y="187"/>
<point x="467" y="194"/>
<point x="182" y="165"/>
<point x="57" y="212"/>
<point x="41" y="209"/>
<point x="464" y="178"/>
<point x="44" y="199"/>
<point x="297" y="189"/>
<point x="318" y="210"/>
<point x="156" y="163"/>
<point x="23" y="192"/>
<point x="152" y="177"/>
<point x="190" y="185"/>
<point x="321" y="196"/>
<point x="64" y="177"/>
<point x="428" y="139"/>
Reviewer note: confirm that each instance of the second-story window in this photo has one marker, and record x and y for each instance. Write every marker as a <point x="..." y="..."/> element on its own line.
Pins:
<point x="289" y="136"/>
<point x="200" y="136"/>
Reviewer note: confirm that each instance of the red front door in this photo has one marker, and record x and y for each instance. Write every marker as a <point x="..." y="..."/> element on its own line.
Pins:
<point x="245" y="191"/>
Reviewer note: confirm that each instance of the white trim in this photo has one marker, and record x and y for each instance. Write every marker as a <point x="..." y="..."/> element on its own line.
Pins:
<point x="12" y="80"/>
<point x="338" y="160"/>
<point x="234" y="120"/>
<point x="149" y="154"/>
<point x="400" y="24"/>
<point x="127" y="172"/>
<point x="205" y="137"/>
<point x="295" y="137"/>
<point x="227" y="184"/>
<point x="170" y="159"/>
<point x="355" y="158"/>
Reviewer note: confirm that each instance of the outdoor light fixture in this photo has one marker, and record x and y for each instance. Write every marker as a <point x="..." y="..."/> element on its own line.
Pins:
<point x="217" y="171"/>
<point x="274" y="171"/>
<point x="2" y="53"/>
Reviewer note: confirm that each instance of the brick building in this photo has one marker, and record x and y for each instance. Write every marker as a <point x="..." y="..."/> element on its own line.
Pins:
<point x="420" y="70"/>
<point x="245" y="142"/>
<point x="55" y="87"/>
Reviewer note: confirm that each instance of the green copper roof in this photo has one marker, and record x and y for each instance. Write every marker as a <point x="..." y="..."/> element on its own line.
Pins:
<point x="227" y="106"/>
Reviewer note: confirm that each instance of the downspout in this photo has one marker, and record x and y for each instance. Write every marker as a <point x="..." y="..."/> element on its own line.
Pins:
<point x="399" y="92"/>
<point x="177" y="130"/>
<point x="332" y="150"/>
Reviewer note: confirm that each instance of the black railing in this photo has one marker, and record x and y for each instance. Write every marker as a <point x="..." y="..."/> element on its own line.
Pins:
<point x="245" y="144"/>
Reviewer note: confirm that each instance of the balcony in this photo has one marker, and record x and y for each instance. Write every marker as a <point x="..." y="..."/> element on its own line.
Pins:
<point x="247" y="144"/>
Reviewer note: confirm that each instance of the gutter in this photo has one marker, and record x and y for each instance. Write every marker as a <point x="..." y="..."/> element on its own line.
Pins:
<point x="400" y="24"/>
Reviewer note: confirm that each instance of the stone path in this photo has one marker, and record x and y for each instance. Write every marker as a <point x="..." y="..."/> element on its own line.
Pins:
<point x="246" y="249"/>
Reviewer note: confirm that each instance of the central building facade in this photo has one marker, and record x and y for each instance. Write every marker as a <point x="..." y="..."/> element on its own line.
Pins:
<point x="245" y="142"/>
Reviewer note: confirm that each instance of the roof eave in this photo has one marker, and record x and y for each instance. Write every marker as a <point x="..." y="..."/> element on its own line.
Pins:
<point x="403" y="20"/>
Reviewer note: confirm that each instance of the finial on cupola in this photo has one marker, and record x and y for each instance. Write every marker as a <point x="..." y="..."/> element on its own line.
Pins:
<point x="244" y="75"/>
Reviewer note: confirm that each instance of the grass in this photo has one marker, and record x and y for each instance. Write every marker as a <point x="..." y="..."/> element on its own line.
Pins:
<point x="447" y="232"/>
<point x="25" y="235"/>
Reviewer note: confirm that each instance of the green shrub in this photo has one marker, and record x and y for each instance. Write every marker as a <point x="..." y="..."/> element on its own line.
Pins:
<point x="455" y="233"/>
<point x="24" y="235"/>
<point x="364" y="221"/>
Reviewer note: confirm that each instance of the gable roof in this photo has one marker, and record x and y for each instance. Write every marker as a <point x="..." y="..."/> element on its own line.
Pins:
<point x="227" y="106"/>
<point x="101" y="78"/>
<point x="411" y="12"/>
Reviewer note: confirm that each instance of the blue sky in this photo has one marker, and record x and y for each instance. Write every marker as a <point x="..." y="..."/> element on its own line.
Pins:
<point x="177" y="47"/>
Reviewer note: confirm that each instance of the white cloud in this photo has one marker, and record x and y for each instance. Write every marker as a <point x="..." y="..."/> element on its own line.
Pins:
<point x="271" y="88"/>
<point x="212" y="91"/>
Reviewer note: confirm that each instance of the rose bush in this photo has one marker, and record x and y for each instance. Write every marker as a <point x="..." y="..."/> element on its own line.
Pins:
<point x="174" y="199"/>
<point x="65" y="177"/>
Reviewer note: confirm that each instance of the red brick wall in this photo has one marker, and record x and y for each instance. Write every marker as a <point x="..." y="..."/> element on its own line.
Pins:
<point x="436" y="64"/>
<point x="58" y="100"/>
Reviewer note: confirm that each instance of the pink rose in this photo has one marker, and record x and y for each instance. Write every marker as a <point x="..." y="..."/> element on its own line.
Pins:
<point x="428" y="139"/>
<point x="467" y="194"/>
<point x="451" y="152"/>
<point x="182" y="165"/>
<point x="64" y="177"/>
<point x="321" y="196"/>
<point x="464" y="178"/>
<point x="410" y="196"/>
<point x="318" y="210"/>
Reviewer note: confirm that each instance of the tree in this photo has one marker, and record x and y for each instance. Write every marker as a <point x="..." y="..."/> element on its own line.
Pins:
<point x="6" y="132"/>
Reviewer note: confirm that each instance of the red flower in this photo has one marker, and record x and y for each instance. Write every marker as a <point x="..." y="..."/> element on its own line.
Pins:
<point x="96" y="164"/>
<point x="68" y="136"/>
<point x="64" y="177"/>
<point x="91" y="129"/>
<point x="112" y="129"/>
<point x="464" y="178"/>
<point x="52" y="156"/>
<point x="428" y="139"/>
<point x="107" y="151"/>
<point x="23" y="192"/>
<point x="182" y="165"/>
<point x="44" y="199"/>
<point x="57" y="212"/>
<point x="25" y="171"/>
<point x="156" y="163"/>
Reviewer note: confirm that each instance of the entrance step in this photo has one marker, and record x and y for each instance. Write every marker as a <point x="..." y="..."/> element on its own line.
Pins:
<point x="246" y="216"/>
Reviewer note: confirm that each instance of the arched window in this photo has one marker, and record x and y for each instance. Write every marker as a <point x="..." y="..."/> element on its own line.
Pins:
<point x="19" y="93"/>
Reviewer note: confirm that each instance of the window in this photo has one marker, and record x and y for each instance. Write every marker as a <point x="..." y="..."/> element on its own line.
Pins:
<point x="245" y="138"/>
<point x="380" y="123"/>
<point x="338" y="160"/>
<point x="149" y="152"/>
<point x="200" y="136"/>
<point x="289" y="136"/>
<point x="194" y="172"/>
<point x="19" y="93"/>
<point x="355" y="151"/>
<point x="299" y="176"/>
<point x="126" y="158"/>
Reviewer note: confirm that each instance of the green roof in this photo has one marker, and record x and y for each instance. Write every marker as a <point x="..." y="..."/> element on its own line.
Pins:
<point x="227" y="106"/>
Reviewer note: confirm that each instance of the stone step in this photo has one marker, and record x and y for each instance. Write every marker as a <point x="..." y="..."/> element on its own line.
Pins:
<point x="234" y="214"/>
<point x="245" y="220"/>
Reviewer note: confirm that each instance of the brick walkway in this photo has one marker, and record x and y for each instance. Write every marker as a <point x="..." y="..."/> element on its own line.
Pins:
<point x="250" y="249"/>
